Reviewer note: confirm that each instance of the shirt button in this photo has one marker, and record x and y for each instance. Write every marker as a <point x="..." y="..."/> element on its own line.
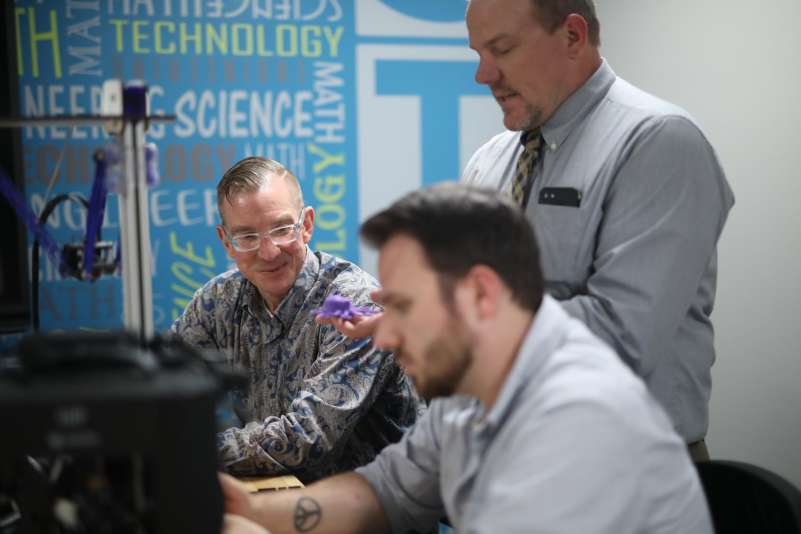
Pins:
<point x="553" y="146"/>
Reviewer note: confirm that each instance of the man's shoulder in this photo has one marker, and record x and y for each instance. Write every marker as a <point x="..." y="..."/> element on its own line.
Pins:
<point x="216" y="300"/>
<point x="586" y="378"/>
<point x="221" y="295"/>
<point x="566" y="364"/>
<point x="629" y="116"/>
<point x="504" y="141"/>
<point x="641" y="105"/>
<point x="228" y="283"/>
<point x="491" y="161"/>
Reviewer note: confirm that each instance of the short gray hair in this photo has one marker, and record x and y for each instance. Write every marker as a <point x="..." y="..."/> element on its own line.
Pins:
<point x="250" y="174"/>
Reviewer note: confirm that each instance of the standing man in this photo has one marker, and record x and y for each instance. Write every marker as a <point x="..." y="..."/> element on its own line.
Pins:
<point x="318" y="402"/>
<point x="536" y="425"/>
<point x="625" y="193"/>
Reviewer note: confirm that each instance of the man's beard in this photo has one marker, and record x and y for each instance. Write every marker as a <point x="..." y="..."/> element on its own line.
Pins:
<point x="531" y="121"/>
<point x="447" y="360"/>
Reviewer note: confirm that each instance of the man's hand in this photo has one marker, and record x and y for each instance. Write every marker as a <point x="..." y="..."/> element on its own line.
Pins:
<point x="362" y="326"/>
<point x="236" y="524"/>
<point x="237" y="497"/>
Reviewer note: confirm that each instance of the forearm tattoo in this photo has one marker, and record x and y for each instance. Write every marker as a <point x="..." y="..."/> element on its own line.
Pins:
<point x="307" y="514"/>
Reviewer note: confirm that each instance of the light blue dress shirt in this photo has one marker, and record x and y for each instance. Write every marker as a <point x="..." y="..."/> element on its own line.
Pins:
<point x="637" y="260"/>
<point x="574" y="444"/>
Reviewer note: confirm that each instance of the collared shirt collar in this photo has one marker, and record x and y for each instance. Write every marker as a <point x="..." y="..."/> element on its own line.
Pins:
<point x="573" y="110"/>
<point x="293" y="300"/>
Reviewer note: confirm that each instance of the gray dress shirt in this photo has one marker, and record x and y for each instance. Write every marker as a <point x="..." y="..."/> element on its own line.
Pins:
<point x="318" y="402"/>
<point x="573" y="444"/>
<point x="636" y="260"/>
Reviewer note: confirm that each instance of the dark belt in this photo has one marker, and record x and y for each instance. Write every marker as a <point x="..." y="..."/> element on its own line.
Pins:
<point x="698" y="451"/>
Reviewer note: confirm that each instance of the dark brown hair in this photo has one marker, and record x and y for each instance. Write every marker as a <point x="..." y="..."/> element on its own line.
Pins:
<point x="461" y="226"/>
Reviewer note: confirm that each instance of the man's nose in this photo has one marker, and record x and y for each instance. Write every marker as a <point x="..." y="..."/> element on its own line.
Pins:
<point x="267" y="249"/>
<point x="487" y="72"/>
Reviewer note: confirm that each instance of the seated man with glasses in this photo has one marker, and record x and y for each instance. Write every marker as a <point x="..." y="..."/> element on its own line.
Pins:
<point x="316" y="402"/>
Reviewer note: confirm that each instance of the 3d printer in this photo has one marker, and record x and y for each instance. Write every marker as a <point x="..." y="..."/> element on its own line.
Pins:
<point x="110" y="432"/>
<point x="103" y="435"/>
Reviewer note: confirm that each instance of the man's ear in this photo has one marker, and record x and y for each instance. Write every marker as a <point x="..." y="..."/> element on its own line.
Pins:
<point x="576" y="31"/>
<point x="227" y="244"/>
<point x="308" y="224"/>
<point x="478" y="292"/>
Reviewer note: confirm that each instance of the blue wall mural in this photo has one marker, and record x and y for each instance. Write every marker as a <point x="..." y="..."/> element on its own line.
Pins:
<point x="310" y="83"/>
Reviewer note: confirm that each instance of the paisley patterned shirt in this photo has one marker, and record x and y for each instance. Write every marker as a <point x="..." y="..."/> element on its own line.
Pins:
<point x="317" y="402"/>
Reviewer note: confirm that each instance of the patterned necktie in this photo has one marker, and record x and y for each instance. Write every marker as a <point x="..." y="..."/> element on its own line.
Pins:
<point x="521" y="185"/>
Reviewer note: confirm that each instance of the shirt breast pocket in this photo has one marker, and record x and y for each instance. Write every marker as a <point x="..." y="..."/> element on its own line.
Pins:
<point x="566" y="238"/>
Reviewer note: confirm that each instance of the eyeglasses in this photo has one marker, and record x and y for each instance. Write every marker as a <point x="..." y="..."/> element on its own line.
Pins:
<point x="281" y="236"/>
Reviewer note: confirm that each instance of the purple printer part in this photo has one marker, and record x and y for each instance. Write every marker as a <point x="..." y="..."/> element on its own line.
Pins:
<point x="337" y="306"/>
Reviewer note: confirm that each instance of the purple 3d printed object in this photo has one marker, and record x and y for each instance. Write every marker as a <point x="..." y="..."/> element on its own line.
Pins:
<point x="337" y="306"/>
